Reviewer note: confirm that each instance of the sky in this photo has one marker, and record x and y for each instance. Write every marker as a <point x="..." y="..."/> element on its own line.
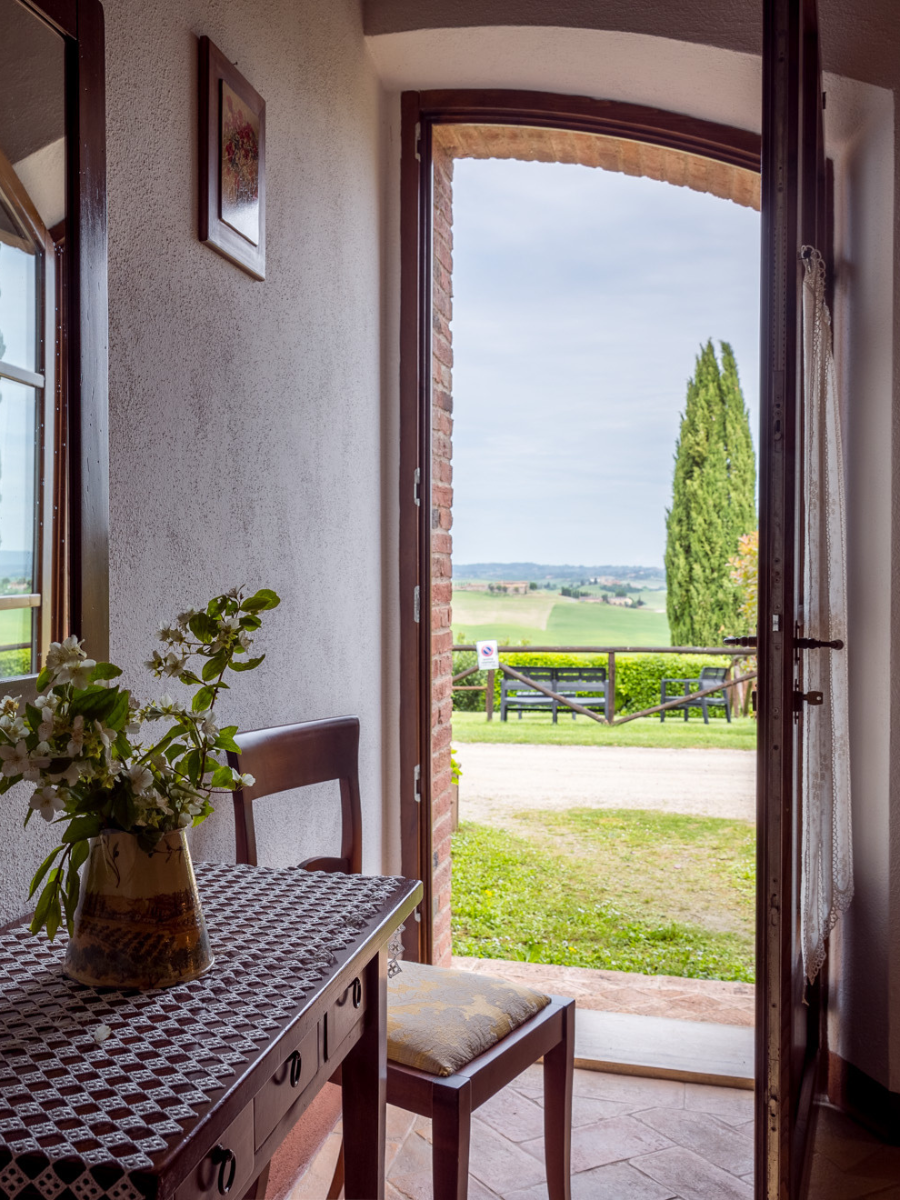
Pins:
<point x="581" y="299"/>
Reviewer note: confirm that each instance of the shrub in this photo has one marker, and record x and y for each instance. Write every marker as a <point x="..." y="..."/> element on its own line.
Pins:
<point x="638" y="676"/>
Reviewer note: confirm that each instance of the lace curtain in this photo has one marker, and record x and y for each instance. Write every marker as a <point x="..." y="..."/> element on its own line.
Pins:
<point x="827" y="851"/>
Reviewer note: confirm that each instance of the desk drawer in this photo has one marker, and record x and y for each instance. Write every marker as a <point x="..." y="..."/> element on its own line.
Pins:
<point x="228" y="1168"/>
<point x="346" y="1012"/>
<point x="286" y="1085"/>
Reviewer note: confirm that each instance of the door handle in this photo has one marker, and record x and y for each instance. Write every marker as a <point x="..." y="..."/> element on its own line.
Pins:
<point x="748" y="642"/>
<point x="815" y="644"/>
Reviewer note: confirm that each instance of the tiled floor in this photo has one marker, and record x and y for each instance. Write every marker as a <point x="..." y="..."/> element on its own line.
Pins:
<point x="850" y="1164"/>
<point x="632" y="1139"/>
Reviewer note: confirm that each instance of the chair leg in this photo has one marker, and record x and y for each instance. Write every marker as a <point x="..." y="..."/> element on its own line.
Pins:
<point x="337" y="1179"/>
<point x="257" y="1189"/>
<point x="451" y="1120"/>
<point x="558" y="1110"/>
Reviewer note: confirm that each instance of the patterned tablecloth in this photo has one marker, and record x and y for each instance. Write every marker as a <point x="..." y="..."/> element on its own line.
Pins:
<point x="82" y="1120"/>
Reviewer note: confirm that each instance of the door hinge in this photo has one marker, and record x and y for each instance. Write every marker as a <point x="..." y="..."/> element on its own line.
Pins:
<point x="417" y="604"/>
<point x="418" y="140"/>
<point x="417" y="479"/>
<point x="417" y="782"/>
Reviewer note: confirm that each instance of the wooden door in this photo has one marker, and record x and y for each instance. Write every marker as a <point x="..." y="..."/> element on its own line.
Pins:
<point x="789" y="1013"/>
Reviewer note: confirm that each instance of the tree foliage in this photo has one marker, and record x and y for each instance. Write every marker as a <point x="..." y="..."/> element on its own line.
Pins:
<point x="713" y="503"/>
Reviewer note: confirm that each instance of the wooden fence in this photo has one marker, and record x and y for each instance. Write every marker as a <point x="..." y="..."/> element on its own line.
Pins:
<point x="736" y="683"/>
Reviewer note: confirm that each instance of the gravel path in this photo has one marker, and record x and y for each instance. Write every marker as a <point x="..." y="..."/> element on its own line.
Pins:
<point x="499" y="780"/>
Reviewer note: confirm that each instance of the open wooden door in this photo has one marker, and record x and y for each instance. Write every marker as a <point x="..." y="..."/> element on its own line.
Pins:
<point x="789" y="1013"/>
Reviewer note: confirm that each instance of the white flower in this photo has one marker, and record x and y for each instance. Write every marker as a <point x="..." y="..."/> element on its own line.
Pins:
<point x="9" y="705"/>
<point x="16" y="759"/>
<point x="46" y="729"/>
<point x="246" y="781"/>
<point x="245" y="640"/>
<point x="185" y="617"/>
<point x="173" y="664"/>
<point x="61" y="654"/>
<point x="141" y="777"/>
<point x="230" y="623"/>
<point x="76" y="673"/>
<point x="170" y="633"/>
<point x="76" y="741"/>
<point x="184" y="820"/>
<point x="206" y="722"/>
<point x="42" y="748"/>
<point x="14" y="727"/>
<point x="47" y="801"/>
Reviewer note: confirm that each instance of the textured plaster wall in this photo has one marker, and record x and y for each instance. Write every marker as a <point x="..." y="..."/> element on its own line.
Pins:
<point x="246" y="417"/>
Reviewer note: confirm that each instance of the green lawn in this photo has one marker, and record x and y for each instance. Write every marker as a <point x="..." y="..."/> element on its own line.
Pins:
<point x="547" y="619"/>
<point x="675" y="733"/>
<point x="15" y="626"/>
<point x="593" y="888"/>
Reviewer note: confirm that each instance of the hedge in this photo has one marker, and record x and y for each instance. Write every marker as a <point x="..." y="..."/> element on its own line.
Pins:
<point x="638" y="676"/>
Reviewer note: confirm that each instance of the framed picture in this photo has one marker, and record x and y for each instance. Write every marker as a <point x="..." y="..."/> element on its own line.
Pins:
<point x="232" y="163"/>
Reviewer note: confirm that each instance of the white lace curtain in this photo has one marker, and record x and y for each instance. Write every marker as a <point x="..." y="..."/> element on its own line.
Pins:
<point x="827" y="851"/>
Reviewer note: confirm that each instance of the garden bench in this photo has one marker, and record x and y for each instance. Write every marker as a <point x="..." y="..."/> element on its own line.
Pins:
<point x="570" y="682"/>
<point x="708" y="677"/>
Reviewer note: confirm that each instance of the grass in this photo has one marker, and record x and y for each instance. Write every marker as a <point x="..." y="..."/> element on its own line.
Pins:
<point x="538" y="729"/>
<point x="592" y="888"/>
<point x="553" y="620"/>
<point x="15" y="626"/>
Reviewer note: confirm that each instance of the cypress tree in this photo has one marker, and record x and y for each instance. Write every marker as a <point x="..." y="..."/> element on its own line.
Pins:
<point x="712" y="503"/>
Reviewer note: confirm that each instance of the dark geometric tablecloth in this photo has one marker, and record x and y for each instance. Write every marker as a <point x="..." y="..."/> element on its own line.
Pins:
<point x="82" y="1120"/>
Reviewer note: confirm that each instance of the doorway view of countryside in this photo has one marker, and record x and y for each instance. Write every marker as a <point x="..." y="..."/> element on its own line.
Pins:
<point x="596" y="423"/>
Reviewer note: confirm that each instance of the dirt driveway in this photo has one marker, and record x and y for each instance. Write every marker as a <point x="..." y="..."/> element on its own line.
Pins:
<point x="499" y="780"/>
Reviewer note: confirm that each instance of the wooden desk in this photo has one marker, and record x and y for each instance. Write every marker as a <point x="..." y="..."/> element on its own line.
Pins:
<point x="197" y="1086"/>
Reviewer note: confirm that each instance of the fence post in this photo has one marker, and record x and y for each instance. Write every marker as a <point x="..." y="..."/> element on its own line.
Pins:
<point x="489" y="695"/>
<point x="611" y="688"/>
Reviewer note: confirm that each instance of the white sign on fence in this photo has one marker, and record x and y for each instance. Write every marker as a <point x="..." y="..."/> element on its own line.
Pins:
<point x="488" y="656"/>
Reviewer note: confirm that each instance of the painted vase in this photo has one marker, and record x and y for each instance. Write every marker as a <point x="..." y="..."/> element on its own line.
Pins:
<point x="139" y="923"/>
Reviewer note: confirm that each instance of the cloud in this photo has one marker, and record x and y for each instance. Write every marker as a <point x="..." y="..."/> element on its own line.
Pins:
<point x="581" y="299"/>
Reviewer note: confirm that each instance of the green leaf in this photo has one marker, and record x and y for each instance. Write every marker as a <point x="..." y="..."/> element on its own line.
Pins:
<point x="34" y="715"/>
<point x="54" y="915"/>
<point x="215" y="666"/>
<point x="263" y="599"/>
<point x="223" y="777"/>
<point x="96" y="703"/>
<point x="42" y="870"/>
<point x="80" y="852"/>
<point x="105" y="670"/>
<point x="81" y="828"/>
<point x="225" y="739"/>
<point x="250" y="622"/>
<point x="189" y="678"/>
<point x="43" y="680"/>
<point x="203" y="627"/>
<point x="249" y="665"/>
<point x="190" y="766"/>
<point x="123" y="811"/>
<point x="122" y="746"/>
<point x="203" y="699"/>
<point x="70" y="899"/>
<point x="47" y="897"/>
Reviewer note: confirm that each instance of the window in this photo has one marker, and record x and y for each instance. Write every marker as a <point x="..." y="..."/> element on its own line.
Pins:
<point x="32" y="202"/>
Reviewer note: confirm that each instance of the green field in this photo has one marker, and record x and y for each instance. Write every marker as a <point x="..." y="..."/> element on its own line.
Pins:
<point x="548" y="619"/>
<point x="537" y="729"/>
<point x="592" y="888"/>
<point x="15" y="626"/>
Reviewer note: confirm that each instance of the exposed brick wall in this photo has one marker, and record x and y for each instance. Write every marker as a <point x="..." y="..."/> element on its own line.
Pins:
<point x="441" y="545"/>
<point x="608" y="153"/>
<point x="531" y="145"/>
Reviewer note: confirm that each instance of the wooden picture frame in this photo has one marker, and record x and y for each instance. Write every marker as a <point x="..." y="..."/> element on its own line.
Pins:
<point x="232" y="163"/>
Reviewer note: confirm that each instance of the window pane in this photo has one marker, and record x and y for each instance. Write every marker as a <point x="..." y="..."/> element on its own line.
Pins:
<point x="18" y="310"/>
<point x="18" y="494"/>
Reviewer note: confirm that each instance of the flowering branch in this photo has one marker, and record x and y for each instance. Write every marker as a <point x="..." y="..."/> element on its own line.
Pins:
<point x="80" y="743"/>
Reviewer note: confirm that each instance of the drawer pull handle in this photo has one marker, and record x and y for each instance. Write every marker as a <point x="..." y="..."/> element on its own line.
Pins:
<point x="357" y="993"/>
<point x="227" y="1162"/>
<point x="296" y="1068"/>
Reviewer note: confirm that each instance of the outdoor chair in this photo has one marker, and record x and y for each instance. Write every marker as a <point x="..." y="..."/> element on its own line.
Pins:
<point x="708" y="677"/>
<point x="455" y="1038"/>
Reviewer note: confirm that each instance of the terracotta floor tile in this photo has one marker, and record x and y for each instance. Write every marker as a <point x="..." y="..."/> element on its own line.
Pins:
<point x="498" y="1162"/>
<point x="728" y="1148"/>
<point x="514" y="1115"/>
<point x="613" y="1140"/>
<point x="618" y="1181"/>
<point x="632" y="1091"/>
<point x="829" y="1183"/>
<point x="691" y="1177"/>
<point x="734" y="1106"/>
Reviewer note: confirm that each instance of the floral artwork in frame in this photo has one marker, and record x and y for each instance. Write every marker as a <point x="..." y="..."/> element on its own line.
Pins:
<point x="232" y="163"/>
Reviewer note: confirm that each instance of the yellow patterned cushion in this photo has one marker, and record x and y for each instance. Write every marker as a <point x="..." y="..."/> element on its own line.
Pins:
<point x="438" y="1020"/>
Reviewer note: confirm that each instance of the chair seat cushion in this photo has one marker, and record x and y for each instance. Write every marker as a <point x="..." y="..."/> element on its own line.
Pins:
<point x="439" y="1019"/>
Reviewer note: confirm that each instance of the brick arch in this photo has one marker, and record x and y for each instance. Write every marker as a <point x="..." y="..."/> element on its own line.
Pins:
<point x="623" y="155"/>
<point x="441" y="127"/>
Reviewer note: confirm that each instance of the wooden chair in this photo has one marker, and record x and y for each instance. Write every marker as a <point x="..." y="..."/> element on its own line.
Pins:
<point x="296" y="756"/>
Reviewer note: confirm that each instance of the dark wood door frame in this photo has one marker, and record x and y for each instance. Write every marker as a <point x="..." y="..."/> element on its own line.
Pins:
<point x="83" y="362"/>
<point x="420" y="112"/>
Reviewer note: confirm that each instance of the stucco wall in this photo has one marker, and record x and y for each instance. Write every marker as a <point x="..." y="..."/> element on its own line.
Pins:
<point x="246" y="417"/>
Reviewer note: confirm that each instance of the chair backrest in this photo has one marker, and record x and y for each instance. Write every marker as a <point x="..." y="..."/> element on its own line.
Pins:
<point x="589" y="676"/>
<point x="711" y="675"/>
<point x="296" y="756"/>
